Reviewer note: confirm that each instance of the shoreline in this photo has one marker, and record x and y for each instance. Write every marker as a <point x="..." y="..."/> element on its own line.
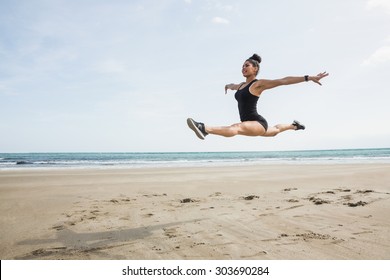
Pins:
<point x="235" y="212"/>
<point x="244" y="164"/>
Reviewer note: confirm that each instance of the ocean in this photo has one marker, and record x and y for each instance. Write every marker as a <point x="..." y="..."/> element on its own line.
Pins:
<point x="194" y="159"/>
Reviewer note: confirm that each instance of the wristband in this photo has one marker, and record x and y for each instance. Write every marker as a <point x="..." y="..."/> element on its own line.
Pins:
<point x="306" y="78"/>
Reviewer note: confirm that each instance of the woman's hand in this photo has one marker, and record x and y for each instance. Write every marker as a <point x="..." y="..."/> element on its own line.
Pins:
<point x="228" y="86"/>
<point x="317" y="78"/>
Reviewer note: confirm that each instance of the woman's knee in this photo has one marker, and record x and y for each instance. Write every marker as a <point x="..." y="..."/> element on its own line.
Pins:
<point x="272" y="131"/>
<point x="233" y="130"/>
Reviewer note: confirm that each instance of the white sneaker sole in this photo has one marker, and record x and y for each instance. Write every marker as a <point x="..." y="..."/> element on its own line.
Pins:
<point x="191" y="124"/>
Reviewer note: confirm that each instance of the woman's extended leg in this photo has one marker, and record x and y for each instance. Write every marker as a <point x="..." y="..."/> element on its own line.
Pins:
<point x="275" y="130"/>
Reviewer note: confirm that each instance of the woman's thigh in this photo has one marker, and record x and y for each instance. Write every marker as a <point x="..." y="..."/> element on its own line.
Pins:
<point x="250" y="128"/>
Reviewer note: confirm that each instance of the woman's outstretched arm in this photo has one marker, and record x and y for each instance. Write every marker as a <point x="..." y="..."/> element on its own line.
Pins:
<point x="263" y="84"/>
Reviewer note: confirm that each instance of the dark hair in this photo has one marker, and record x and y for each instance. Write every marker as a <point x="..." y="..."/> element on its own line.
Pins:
<point x="255" y="60"/>
<point x="255" y="57"/>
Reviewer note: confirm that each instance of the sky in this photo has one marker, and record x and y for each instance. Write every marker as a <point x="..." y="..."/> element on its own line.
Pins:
<point x="123" y="76"/>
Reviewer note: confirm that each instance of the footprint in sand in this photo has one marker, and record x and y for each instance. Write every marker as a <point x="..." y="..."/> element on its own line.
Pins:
<point x="352" y="199"/>
<point x="148" y="215"/>
<point x="310" y="236"/>
<point x="187" y="200"/>
<point x="58" y="227"/>
<point x="170" y="232"/>
<point x="318" y="201"/>
<point x="364" y="191"/>
<point x="250" y="197"/>
<point x="355" y="204"/>
<point x="289" y="189"/>
<point x="215" y="194"/>
<point x="154" y="195"/>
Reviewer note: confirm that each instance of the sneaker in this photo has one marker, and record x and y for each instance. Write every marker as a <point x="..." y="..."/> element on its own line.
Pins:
<point x="298" y="125"/>
<point x="198" y="128"/>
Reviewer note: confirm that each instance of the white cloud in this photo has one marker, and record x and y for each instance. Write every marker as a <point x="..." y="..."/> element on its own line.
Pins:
<point x="111" y="66"/>
<point x="219" y="20"/>
<point x="381" y="4"/>
<point x="381" y="55"/>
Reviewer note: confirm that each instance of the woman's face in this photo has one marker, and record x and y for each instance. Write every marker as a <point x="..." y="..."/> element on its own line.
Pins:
<point x="248" y="69"/>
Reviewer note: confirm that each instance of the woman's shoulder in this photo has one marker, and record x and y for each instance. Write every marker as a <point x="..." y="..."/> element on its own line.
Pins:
<point x="240" y="86"/>
<point x="245" y="84"/>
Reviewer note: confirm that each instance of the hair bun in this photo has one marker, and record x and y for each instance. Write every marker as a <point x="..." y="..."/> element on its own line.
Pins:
<point x="256" y="57"/>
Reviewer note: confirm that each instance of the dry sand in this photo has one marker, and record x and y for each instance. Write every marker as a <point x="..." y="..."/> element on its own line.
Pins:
<point x="246" y="212"/>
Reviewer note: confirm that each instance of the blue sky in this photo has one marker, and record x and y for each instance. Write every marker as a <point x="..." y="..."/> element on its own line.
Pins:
<point x="123" y="76"/>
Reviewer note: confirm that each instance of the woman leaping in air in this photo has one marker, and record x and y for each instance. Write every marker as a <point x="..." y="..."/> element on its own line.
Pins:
<point x="247" y="95"/>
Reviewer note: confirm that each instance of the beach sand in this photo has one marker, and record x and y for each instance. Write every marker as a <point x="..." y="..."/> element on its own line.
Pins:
<point x="246" y="212"/>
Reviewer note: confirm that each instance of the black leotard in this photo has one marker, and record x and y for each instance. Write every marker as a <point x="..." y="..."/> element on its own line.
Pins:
<point x="247" y="106"/>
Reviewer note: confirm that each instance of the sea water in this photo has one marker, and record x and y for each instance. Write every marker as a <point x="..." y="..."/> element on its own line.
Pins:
<point x="193" y="159"/>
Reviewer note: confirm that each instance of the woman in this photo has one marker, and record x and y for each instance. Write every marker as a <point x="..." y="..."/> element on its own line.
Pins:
<point x="247" y="95"/>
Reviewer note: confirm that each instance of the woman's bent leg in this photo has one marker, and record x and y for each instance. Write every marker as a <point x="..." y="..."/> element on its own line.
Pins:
<point x="275" y="130"/>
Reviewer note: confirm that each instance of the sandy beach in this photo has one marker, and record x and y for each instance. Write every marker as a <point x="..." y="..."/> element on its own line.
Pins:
<point x="246" y="212"/>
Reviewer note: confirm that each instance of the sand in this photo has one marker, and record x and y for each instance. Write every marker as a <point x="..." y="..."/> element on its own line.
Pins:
<point x="330" y="212"/>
